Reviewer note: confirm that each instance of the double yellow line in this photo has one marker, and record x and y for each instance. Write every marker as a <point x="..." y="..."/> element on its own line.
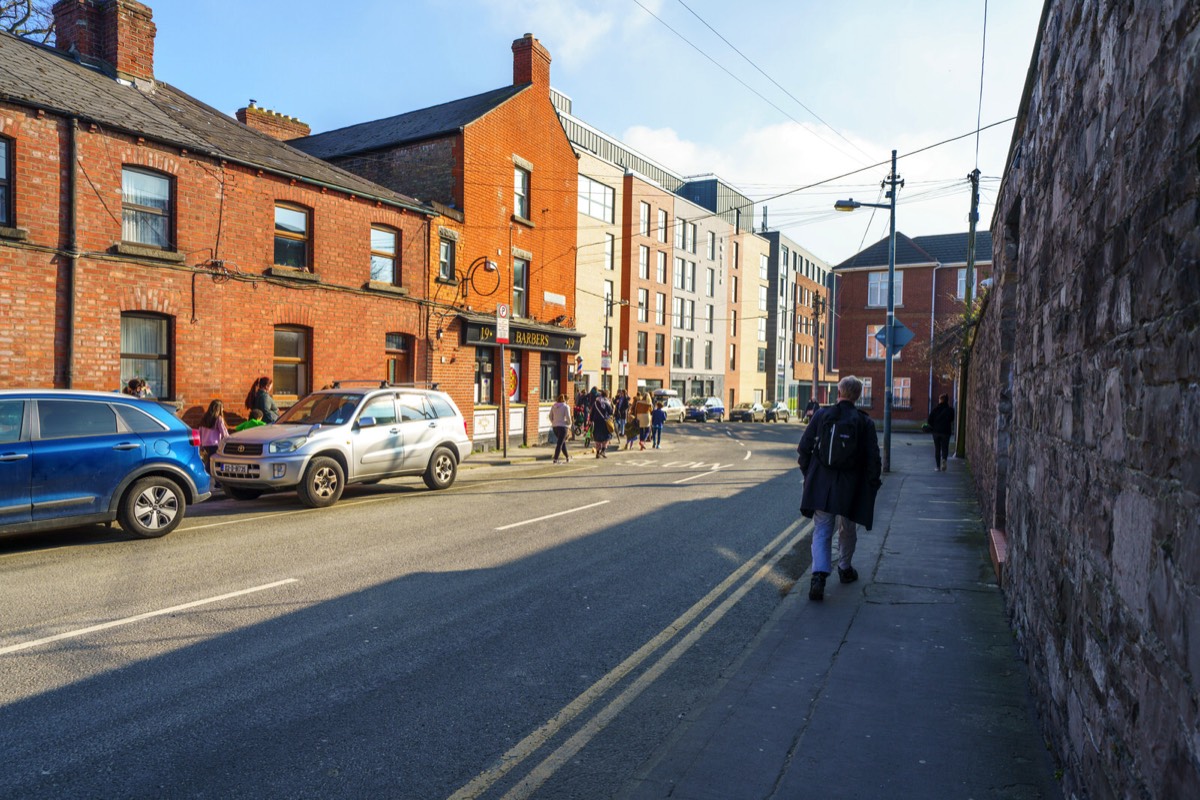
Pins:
<point x="765" y="560"/>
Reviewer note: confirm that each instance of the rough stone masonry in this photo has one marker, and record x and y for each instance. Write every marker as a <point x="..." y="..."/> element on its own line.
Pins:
<point x="1084" y="409"/>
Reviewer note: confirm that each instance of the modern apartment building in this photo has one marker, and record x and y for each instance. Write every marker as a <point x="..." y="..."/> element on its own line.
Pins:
<point x="600" y="282"/>
<point x="797" y="350"/>
<point x="699" y="302"/>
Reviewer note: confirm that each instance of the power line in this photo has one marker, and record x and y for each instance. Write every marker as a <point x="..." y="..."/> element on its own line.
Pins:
<point x="772" y="80"/>
<point x="982" y="62"/>
<point x="761" y="96"/>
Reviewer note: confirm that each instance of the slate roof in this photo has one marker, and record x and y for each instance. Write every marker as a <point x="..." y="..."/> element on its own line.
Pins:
<point x="944" y="248"/>
<point x="43" y="77"/>
<point x="425" y="123"/>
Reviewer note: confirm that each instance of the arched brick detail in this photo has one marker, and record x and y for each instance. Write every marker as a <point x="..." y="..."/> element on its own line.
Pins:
<point x="140" y="298"/>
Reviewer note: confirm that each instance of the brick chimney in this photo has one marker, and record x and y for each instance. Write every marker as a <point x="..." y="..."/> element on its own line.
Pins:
<point x="272" y="123"/>
<point x="119" y="32"/>
<point x="531" y="62"/>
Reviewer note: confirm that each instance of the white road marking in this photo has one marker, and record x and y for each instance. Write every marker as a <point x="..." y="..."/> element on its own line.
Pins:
<point x="531" y="743"/>
<point x="693" y="477"/>
<point x="747" y="458"/>
<point x="139" y="617"/>
<point x="551" y="516"/>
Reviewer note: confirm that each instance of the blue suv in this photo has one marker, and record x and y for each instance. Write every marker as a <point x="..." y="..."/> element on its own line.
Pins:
<point x="71" y="458"/>
<point x="700" y="409"/>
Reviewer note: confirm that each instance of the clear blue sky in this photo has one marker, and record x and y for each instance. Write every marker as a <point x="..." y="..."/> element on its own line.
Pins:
<point x="881" y="74"/>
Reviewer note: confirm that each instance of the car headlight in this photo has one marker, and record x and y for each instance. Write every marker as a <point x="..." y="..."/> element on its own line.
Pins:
<point x="285" y="446"/>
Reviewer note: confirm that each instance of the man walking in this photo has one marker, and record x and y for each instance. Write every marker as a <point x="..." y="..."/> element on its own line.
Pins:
<point x="839" y="456"/>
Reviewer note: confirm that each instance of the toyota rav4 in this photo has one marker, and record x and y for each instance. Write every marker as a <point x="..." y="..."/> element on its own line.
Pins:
<point x="341" y="436"/>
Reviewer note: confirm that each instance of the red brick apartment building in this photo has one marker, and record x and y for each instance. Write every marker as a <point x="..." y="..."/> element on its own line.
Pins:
<point x="501" y="171"/>
<point x="646" y="262"/>
<point x="143" y="233"/>
<point x="930" y="285"/>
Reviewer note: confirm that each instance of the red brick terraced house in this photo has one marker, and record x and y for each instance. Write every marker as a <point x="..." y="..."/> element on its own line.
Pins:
<point x="930" y="287"/>
<point x="145" y="234"/>
<point x="501" y="171"/>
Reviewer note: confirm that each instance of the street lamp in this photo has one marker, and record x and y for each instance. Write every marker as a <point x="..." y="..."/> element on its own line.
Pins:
<point x="818" y="308"/>
<point x="893" y="181"/>
<point x="468" y="281"/>
<point x="609" y="302"/>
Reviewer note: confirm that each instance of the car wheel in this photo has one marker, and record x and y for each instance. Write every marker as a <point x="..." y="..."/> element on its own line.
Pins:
<point x="442" y="469"/>
<point x="242" y="494"/>
<point x="153" y="507"/>
<point x="323" y="483"/>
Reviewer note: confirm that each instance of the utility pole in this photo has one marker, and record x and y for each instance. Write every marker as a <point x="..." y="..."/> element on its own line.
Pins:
<point x="960" y="435"/>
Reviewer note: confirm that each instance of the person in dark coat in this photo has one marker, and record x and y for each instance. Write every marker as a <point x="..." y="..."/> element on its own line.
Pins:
<point x="602" y="412"/>
<point x="842" y="496"/>
<point x="941" y="425"/>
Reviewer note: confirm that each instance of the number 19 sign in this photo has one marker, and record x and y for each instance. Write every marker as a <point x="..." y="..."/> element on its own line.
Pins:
<point x="501" y="323"/>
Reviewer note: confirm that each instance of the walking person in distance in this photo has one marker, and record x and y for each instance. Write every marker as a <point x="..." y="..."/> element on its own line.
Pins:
<point x="941" y="423"/>
<point x="839" y="456"/>
<point x="560" y="423"/>
<point x="602" y="423"/>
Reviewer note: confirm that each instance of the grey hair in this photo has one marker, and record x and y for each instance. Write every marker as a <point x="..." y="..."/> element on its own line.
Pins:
<point x="850" y="388"/>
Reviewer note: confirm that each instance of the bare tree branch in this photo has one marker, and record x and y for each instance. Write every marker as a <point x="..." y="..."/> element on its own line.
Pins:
<point x="32" y="19"/>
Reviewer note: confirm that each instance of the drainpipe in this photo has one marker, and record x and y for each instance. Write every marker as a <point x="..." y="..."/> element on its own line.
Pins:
<point x="72" y="251"/>
<point x="932" y="319"/>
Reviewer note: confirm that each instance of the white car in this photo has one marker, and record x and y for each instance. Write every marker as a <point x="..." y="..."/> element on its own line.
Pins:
<point x="341" y="436"/>
<point x="674" y="408"/>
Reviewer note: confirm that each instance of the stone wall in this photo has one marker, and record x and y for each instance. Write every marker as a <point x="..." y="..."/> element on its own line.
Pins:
<point x="1085" y="392"/>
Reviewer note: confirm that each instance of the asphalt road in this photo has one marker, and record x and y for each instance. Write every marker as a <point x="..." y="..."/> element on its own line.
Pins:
<point x="535" y="631"/>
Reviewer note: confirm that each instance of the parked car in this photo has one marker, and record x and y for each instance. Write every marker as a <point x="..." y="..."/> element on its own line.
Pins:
<point x="342" y="436"/>
<point x="674" y="408"/>
<point x="748" y="412"/>
<point x="71" y="458"/>
<point x="778" y="412"/>
<point x="701" y="409"/>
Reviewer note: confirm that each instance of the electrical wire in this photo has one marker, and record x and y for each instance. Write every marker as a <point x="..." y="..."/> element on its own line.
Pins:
<point x="772" y="80"/>
<point x="982" y="63"/>
<point x="759" y="94"/>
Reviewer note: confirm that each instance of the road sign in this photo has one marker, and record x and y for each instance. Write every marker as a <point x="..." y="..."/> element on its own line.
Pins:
<point x="501" y="323"/>
<point x="605" y="360"/>
<point x="901" y="335"/>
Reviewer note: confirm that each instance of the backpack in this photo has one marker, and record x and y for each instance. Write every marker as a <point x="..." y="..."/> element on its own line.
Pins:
<point x="837" y="440"/>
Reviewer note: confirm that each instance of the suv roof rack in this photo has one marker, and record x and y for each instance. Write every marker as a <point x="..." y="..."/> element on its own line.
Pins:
<point x="385" y="384"/>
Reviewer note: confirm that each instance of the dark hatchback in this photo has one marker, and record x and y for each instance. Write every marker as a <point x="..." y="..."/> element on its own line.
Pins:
<point x="72" y="458"/>
<point x="702" y="410"/>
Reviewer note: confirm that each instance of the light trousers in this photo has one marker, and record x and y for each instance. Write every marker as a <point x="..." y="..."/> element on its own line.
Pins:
<point x="822" y="541"/>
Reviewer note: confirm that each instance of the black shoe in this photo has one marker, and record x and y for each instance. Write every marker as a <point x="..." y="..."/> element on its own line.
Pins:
<point x="816" y="589"/>
<point x="847" y="575"/>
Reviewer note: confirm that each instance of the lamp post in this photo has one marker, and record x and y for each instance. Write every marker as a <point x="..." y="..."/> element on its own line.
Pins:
<point x="893" y="181"/>
<point x="609" y="302"/>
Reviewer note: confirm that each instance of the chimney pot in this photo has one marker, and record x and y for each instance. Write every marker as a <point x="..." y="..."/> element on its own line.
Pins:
<point x="531" y="63"/>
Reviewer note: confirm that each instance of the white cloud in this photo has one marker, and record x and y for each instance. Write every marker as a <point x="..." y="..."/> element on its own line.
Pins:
<point x="775" y="160"/>
<point x="575" y="29"/>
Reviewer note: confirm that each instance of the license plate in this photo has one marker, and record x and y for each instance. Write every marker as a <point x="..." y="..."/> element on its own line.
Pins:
<point x="235" y="469"/>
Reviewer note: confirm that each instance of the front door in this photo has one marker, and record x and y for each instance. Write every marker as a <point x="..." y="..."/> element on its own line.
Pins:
<point x="79" y="458"/>
<point x="379" y="448"/>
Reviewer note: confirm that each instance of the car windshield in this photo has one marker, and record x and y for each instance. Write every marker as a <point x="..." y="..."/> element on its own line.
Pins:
<point x="696" y="401"/>
<point x="745" y="405"/>
<point x="322" y="408"/>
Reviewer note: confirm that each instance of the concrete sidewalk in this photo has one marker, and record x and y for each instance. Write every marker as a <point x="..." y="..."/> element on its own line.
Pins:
<point x="906" y="684"/>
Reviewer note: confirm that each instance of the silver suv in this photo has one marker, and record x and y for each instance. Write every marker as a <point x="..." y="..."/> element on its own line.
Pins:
<point x="342" y="436"/>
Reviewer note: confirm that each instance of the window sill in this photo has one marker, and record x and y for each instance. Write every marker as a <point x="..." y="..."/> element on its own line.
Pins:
<point x="293" y="274"/>
<point x="16" y="234"/>
<point x="144" y="251"/>
<point x="386" y="288"/>
<point x="521" y="220"/>
<point x="446" y="281"/>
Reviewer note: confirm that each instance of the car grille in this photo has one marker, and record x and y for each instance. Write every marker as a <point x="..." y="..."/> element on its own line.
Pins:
<point x="241" y="449"/>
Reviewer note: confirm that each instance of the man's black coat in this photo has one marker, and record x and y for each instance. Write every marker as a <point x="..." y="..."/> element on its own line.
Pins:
<point x="847" y="493"/>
